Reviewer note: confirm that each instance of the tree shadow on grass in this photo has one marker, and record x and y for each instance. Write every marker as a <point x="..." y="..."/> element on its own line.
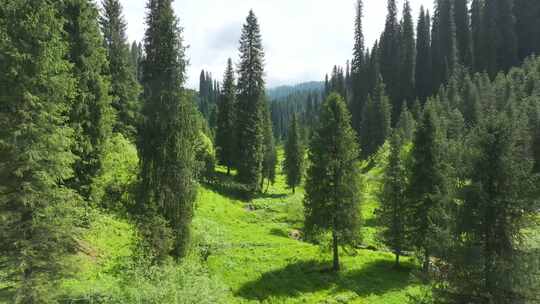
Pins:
<point x="295" y="279"/>
<point x="228" y="186"/>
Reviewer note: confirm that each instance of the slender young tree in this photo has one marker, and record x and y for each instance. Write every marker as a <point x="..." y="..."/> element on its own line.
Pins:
<point x="125" y="88"/>
<point x="270" y="154"/>
<point x="392" y="211"/>
<point x="91" y="115"/>
<point x="250" y="118"/>
<point x="168" y="132"/>
<point x="37" y="226"/>
<point x="407" y="53"/>
<point x="332" y="199"/>
<point x="226" y="119"/>
<point x="294" y="156"/>
<point x="357" y="67"/>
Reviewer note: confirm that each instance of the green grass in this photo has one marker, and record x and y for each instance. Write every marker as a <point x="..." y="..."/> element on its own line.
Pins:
<point x="247" y="254"/>
<point x="251" y="252"/>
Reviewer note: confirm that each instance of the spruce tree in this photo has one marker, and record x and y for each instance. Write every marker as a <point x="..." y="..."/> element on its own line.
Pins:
<point x="428" y="189"/>
<point x="392" y="212"/>
<point x="389" y="54"/>
<point x="294" y="156"/>
<point x="463" y="32"/>
<point x="357" y="68"/>
<point x="477" y="22"/>
<point x="496" y="207"/>
<point x="423" y="71"/>
<point x="91" y="115"/>
<point x="332" y="196"/>
<point x="447" y="34"/>
<point x="124" y="85"/>
<point x="37" y="226"/>
<point x="168" y="132"/>
<point x="270" y="153"/>
<point x="226" y="119"/>
<point x="407" y="53"/>
<point x="376" y="120"/>
<point x="250" y="118"/>
<point x="406" y="125"/>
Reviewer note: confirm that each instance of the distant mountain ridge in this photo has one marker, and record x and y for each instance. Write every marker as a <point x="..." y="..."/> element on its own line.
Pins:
<point x="286" y="90"/>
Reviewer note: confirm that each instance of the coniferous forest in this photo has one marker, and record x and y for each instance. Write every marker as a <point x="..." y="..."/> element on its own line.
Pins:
<point x="408" y="174"/>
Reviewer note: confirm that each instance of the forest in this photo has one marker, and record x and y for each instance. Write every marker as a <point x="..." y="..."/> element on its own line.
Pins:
<point x="408" y="174"/>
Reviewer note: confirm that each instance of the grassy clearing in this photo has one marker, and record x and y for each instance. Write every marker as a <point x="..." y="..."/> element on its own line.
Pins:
<point x="250" y="250"/>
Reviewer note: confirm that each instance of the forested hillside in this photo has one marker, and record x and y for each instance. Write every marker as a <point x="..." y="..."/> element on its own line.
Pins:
<point x="409" y="175"/>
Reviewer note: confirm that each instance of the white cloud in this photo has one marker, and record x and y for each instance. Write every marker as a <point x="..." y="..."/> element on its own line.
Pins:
<point x="303" y="39"/>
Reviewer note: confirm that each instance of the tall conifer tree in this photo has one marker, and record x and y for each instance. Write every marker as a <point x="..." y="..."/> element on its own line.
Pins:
<point x="37" y="227"/>
<point x="226" y="120"/>
<point x="357" y="68"/>
<point x="392" y="211"/>
<point x="250" y="119"/>
<point x="463" y="32"/>
<point x="294" y="156"/>
<point x="91" y="116"/>
<point x="389" y="54"/>
<point x="428" y="188"/>
<point x="168" y="132"/>
<point x="332" y="199"/>
<point x="376" y="120"/>
<point x="125" y="88"/>
<point x="407" y="61"/>
<point x="423" y="71"/>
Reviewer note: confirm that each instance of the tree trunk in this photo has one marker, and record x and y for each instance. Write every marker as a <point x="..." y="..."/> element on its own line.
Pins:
<point x="426" y="263"/>
<point x="228" y="170"/>
<point x="335" y="250"/>
<point x="397" y="259"/>
<point x="293" y="189"/>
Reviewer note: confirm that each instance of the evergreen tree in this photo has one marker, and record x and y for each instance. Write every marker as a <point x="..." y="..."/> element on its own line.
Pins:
<point x="136" y="59"/>
<point x="168" y="132"/>
<point x="124" y="85"/>
<point x="406" y="125"/>
<point x="294" y="156"/>
<point x="91" y="116"/>
<point x="507" y="44"/>
<point x="423" y="71"/>
<point x="226" y="118"/>
<point x="270" y="153"/>
<point x="332" y="187"/>
<point x="407" y="53"/>
<point x="476" y="33"/>
<point x="389" y="54"/>
<point x="37" y="229"/>
<point x="447" y="44"/>
<point x="250" y="119"/>
<point x="392" y="211"/>
<point x="376" y="121"/>
<point x="357" y="67"/>
<point x="493" y="217"/>
<point x="463" y="32"/>
<point x="428" y="189"/>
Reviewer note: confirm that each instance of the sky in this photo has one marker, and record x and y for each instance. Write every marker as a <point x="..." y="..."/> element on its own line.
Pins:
<point x="303" y="39"/>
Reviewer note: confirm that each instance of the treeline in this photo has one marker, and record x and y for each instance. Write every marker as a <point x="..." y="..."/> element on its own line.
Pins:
<point x="476" y="35"/>
<point x="71" y="87"/>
